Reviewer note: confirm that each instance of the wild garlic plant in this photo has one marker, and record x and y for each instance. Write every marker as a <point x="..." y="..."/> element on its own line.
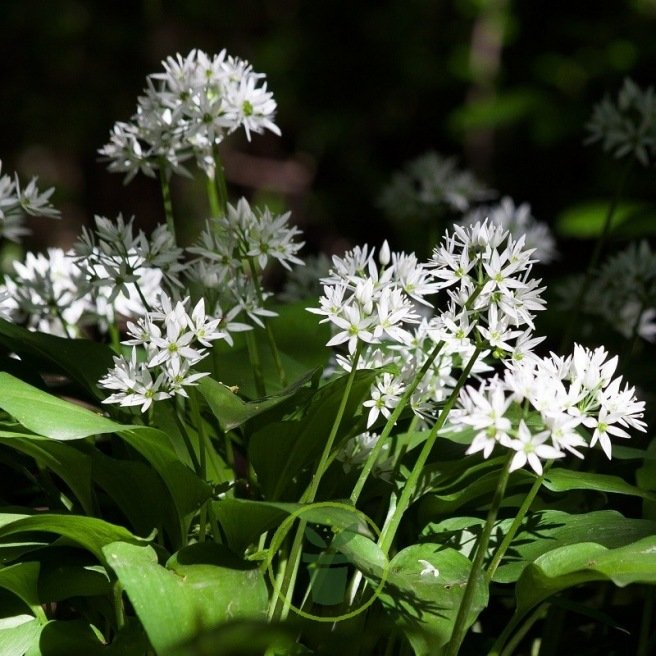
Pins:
<point x="202" y="461"/>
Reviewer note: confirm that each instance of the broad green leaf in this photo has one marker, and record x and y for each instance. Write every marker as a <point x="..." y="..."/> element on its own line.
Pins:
<point x="18" y="634"/>
<point x="574" y="564"/>
<point x="562" y="480"/>
<point x="88" y="532"/>
<point x="207" y="585"/>
<point x="48" y="415"/>
<point x="231" y="411"/>
<point x="62" y="638"/>
<point x="423" y="592"/>
<point x="187" y="490"/>
<point x="66" y="581"/>
<point x="83" y="361"/>
<point x="479" y="490"/>
<point x="243" y="520"/>
<point x="279" y="451"/>
<point x="21" y="579"/>
<point x="138" y="492"/>
<point x="73" y="467"/>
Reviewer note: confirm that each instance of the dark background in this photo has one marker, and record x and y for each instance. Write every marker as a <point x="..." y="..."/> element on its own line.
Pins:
<point x="361" y="87"/>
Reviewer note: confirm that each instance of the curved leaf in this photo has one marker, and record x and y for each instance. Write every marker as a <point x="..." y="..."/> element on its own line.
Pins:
<point x="562" y="480"/>
<point x="19" y="634"/>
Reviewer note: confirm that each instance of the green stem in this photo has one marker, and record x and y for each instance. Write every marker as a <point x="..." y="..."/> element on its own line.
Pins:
<point x="281" y="608"/>
<point x="219" y="179"/>
<point x="594" y="259"/>
<point x="166" y="198"/>
<point x="119" y="610"/>
<point x="536" y="615"/>
<point x="213" y="197"/>
<point x="387" y="535"/>
<point x="517" y="522"/>
<point x="202" y="456"/>
<point x="270" y="338"/>
<point x="254" y="357"/>
<point x="391" y="422"/>
<point x="460" y="627"/>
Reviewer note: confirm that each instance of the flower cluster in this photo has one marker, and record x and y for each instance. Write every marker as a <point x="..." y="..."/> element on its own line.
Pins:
<point x="627" y="127"/>
<point x="123" y="268"/>
<point x="518" y="221"/>
<point x="430" y="186"/>
<point x="369" y="304"/>
<point x="186" y="110"/>
<point x="44" y="294"/>
<point x="16" y="201"/>
<point x="541" y="408"/>
<point x="174" y="341"/>
<point x="622" y="292"/>
<point x="232" y="252"/>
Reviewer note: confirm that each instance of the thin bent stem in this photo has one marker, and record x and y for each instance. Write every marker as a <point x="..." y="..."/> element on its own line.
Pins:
<point x="517" y="522"/>
<point x="281" y="608"/>
<point x="387" y="535"/>
<point x="166" y="198"/>
<point x="594" y="259"/>
<point x="460" y="627"/>
<point x="508" y="649"/>
<point x="391" y="422"/>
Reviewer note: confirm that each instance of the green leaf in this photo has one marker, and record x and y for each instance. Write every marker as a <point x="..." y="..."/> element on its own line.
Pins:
<point x="574" y="564"/>
<point x="21" y="579"/>
<point x="279" y="451"/>
<point x="18" y="634"/>
<point x="208" y="586"/>
<point x="83" y="361"/>
<point x="563" y="480"/>
<point x="232" y="412"/>
<point x="73" y="467"/>
<point x="88" y="532"/>
<point x="62" y="638"/>
<point x="48" y="415"/>
<point x="423" y="601"/>
<point x="550" y="529"/>
<point x="66" y="581"/>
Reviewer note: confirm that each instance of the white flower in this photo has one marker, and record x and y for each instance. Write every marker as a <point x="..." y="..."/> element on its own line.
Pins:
<point x="531" y="448"/>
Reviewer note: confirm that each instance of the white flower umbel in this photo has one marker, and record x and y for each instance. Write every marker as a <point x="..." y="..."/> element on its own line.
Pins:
<point x="173" y="341"/>
<point x="627" y="127"/>
<point x="429" y="187"/>
<point x="44" y="293"/>
<point x="123" y="268"/>
<point x="16" y="201"/>
<point x="188" y="109"/>
<point x="572" y="403"/>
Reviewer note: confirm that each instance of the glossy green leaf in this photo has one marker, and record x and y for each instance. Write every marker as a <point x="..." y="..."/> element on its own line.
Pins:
<point x="231" y="411"/>
<point x="563" y="480"/>
<point x="21" y="579"/>
<point x="583" y="562"/>
<point x="83" y="361"/>
<point x="66" y="581"/>
<point x="73" y="467"/>
<point x="423" y="593"/>
<point x="88" y="532"/>
<point x="208" y="586"/>
<point x="48" y="415"/>
<point x="19" y="634"/>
